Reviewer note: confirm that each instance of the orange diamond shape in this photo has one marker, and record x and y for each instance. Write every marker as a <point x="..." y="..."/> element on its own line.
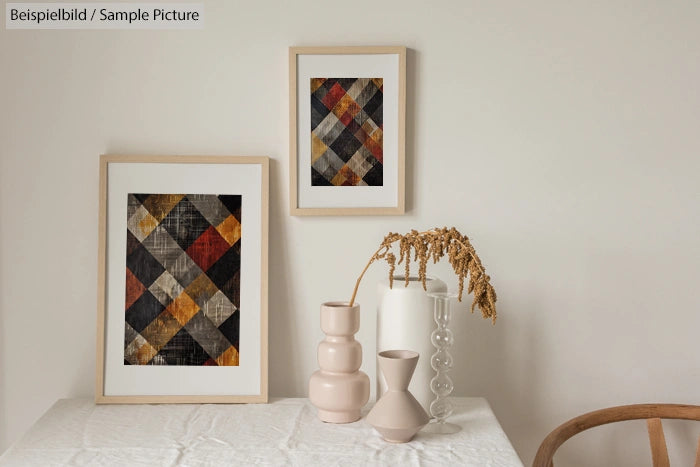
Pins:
<point x="145" y="353"/>
<point x="230" y="229"/>
<point x="228" y="358"/>
<point x="183" y="308"/>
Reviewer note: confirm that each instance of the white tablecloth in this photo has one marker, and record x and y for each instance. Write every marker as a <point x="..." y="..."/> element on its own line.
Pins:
<point x="76" y="432"/>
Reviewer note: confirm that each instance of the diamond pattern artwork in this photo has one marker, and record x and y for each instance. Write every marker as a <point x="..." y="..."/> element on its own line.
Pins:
<point x="183" y="262"/>
<point x="347" y="131"/>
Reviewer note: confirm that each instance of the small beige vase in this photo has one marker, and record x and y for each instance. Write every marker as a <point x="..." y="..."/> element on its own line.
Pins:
<point x="398" y="416"/>
<point x="339" y="390"/>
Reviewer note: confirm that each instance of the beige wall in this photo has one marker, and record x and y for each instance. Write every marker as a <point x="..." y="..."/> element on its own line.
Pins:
<point x="561" y="136"/>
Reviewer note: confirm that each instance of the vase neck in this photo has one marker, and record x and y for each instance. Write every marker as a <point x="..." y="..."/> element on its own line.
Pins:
<point x="331" y="338"/>
<point x="400" y="386"/>
<point x="398" y="371"/>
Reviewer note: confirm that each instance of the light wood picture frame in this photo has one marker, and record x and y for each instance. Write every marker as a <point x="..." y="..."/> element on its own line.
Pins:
<point x="347" y="109"/>
<point x="182" y="279"/>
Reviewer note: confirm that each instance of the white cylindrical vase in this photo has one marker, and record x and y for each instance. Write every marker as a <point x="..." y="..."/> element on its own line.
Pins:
<point x="405" y="321"/>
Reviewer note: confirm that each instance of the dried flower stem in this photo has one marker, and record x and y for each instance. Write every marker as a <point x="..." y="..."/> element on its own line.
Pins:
<point x="435" y="244"/>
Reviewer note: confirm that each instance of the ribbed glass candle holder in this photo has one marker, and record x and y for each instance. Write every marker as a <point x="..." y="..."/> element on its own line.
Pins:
<point x="441" y="361"/>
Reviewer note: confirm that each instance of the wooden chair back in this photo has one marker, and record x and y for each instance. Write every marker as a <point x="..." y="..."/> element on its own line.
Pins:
<point x="653" y="413"/>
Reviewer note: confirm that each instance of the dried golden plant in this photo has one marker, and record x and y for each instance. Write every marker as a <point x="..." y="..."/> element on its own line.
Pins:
<point x="434" y="244"/>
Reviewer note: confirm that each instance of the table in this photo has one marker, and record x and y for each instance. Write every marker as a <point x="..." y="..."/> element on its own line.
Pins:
<point x="77" y="432"/>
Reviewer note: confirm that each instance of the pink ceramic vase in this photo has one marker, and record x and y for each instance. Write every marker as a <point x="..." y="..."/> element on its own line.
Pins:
<point x="398" y="416"/>
<point x="339" y="390"/>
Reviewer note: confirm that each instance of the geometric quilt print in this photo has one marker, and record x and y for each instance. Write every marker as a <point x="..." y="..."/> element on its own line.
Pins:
<point x="347" y="131"/>
<point x="183" y="263"/>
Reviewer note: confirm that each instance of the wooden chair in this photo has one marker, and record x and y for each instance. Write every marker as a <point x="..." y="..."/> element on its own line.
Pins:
<point x="653" y="413"/>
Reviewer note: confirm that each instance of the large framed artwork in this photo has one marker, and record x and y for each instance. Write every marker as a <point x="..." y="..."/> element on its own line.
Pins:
<point x="182" y="296"/>
<point x="347" y="130"/>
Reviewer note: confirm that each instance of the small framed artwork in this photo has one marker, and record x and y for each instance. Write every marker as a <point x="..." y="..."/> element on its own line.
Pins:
<point x="182" y="274"/>
<point x="347" y="130"/>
